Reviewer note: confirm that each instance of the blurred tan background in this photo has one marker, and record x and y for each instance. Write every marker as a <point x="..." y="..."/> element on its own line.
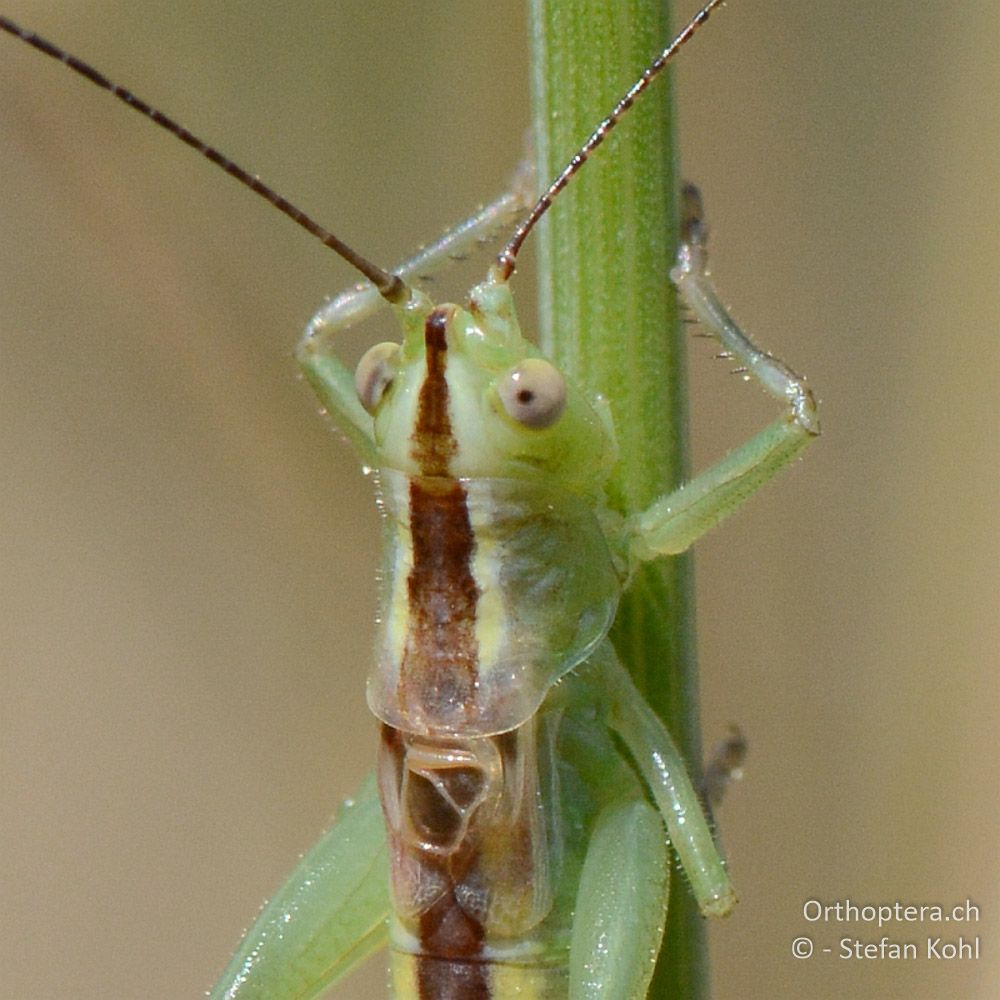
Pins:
<point x="188" y="552"/>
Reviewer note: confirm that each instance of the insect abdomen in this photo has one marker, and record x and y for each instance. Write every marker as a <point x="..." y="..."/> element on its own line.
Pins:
<point x="472" y="865"/>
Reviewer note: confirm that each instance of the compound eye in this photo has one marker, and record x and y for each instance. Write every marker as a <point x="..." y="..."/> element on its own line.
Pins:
<point x="374" y="374"/>
<point x="534" y="393"/>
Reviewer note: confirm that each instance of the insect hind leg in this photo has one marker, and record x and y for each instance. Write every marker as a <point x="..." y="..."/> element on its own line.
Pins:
<point x="621" y="905"/>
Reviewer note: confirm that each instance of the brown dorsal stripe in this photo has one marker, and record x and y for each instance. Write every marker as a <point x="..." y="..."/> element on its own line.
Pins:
<point x="433" y="441"/>
<point x="449" y="979"/>
<point x="441" y="655"/>
<point x="440" y="665"/>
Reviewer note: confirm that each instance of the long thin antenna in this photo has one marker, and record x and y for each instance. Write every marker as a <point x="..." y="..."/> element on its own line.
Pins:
<point x="507" y="259"/>
<point x="390" y="286"/>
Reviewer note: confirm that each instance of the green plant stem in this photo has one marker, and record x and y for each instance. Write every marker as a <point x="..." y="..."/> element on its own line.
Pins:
<point x="609" y="317"/>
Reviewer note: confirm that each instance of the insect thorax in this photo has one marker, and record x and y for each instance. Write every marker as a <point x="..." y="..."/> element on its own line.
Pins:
<point x="492" y="589"/>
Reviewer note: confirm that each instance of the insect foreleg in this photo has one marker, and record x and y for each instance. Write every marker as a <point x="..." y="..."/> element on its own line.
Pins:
<point x="672" y="523"/>
<point x="332" y="380"/>
<point x="356" y="304"/>
<point x="328" y="916"/>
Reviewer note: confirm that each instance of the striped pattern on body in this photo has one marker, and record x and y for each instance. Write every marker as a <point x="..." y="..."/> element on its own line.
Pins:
<point x="436" y="793"/>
